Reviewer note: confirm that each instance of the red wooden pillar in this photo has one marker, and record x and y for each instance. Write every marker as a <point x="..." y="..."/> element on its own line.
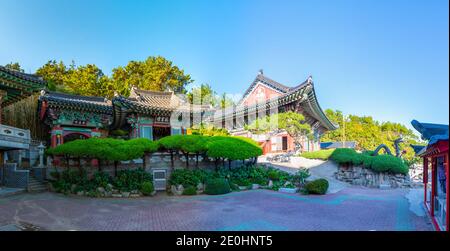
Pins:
<point x="447" y="188"/>
<point x="433" y="184"/>
<point x="425" y="178"/>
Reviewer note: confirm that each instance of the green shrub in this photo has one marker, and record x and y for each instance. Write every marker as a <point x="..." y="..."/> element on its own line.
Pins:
<point x="128" y="180"/>
<point x="321" y="154"/>
<point x="319" y="186"/>
<point x="217" y="186"/>
<point x="388" y="163"/>
<point x="232" y="148"/>
<point x="101" y="179"/>
<point x="190" y="190"/>
<point x="185" y="177"/>
<point x="273" y="175"/>
<point x="147" y="188"/>
<point x="379" y="163"/>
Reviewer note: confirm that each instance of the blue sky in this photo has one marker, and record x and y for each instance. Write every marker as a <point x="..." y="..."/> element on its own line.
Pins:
<point x="388" y="59"/>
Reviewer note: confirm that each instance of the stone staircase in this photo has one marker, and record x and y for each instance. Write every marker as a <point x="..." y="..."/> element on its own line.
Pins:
<point x="35" y="185"/>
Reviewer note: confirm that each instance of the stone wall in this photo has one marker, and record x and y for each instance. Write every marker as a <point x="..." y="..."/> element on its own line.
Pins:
<point x="357" y="175"/>
<point x="12" y="177"/>
<point x="159" y="160"/>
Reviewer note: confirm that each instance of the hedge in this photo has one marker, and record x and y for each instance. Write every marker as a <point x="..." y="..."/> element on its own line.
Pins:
<point x="319" y="186"/>
<point x="321" y="154"/>
<point x="379" y="163"/>
<point x="217" y="186"/>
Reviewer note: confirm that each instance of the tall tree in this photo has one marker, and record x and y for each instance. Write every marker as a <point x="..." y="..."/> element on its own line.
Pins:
<point x="202" y="95"/>
<point x="155" y="73"/>
<point x="14" y="66"/>
<point x="55" y="73"/>
<point x="292" y="122"/>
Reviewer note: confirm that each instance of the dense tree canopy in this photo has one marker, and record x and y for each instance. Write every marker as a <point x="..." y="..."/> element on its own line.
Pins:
<point x="155" y="73"/>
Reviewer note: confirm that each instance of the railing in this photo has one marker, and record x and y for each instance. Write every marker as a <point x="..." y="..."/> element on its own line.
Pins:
<point x="13" y="137"/>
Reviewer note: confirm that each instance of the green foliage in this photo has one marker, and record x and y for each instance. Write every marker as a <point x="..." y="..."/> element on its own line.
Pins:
<point x="105" y="148"/>
<point x="217" y="186"/>
<point x="384" y="163"/>
<point x="369" y="133"/>
<point x="321" y="154"/>
<point x="14" y="66"/>
<point x="292" y="122"/>
<point x="155" y="73"/>
<point x="185" y="177"/>
<point x="190" y="190"/>
<point x="147" y="188"/>
<point x="232" y="148"/>
<point x="202" y="95"/>
<point x="101" y="179"/>
<point x="208" y="130"/>
<point x="319" y="186"/>
<point x="128" y="180"/>
<point x="379" y="163"/>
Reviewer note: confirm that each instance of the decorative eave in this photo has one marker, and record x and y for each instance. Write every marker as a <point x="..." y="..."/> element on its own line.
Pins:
<point x="72" y="102"/>
<point x="18" y="85"/>
<point x="303" y="93"/>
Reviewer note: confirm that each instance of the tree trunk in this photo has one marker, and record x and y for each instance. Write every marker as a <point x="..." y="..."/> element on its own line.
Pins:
<point x="215" y="163"/>
<point x="187" y="160"/>
<point x="99" y="161"/>
<point x="115" y="168"/>
<point x="196" y="160"/>
<point x="229" y="164"/>
<point x="171" y="158"/>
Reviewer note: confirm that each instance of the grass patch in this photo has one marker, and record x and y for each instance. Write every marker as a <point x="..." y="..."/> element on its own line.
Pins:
<point x="321" y="154"/>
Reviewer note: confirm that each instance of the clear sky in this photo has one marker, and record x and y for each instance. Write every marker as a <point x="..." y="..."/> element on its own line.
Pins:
<point x="388" y="59"/>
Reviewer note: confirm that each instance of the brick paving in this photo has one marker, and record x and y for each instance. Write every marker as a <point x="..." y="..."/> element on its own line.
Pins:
<point x="350" y="209"/>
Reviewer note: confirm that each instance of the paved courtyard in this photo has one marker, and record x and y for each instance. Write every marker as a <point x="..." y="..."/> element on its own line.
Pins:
<point x="349" y="209"/>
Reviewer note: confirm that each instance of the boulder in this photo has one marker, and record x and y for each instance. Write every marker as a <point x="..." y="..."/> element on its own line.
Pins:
<point x="125" y="194"/>
<point x="100" y="189"/>
<point x="117" y="195"/>
<point x="80" y="193"/>
<point x="270" y="185"/>
<point x="255" y="186"/>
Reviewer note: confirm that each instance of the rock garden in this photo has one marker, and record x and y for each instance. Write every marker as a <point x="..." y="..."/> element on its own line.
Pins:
<point x="362" y="168"/>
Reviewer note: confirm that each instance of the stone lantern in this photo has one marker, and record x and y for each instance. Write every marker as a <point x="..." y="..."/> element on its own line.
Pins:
<point x="41" y="148"/>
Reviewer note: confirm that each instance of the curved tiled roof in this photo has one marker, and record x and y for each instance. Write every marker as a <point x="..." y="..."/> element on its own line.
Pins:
<point x="76" y="102"/>
<point x="18" y="85"/>
<point x="24" y="76"/>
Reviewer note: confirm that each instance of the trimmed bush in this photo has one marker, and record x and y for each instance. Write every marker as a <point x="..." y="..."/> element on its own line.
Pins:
<point x="321" y="154"/>
<point x="128" y="180"/>
<point x="147" y="188"/>
<point x="217" y="186"/>
<point x="319" y="186"/>
<point x="190" y="190"/>
<point x="379" y="163"/>
<point x="385" y="163"/>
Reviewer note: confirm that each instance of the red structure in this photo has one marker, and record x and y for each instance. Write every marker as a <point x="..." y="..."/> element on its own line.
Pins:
<point x="435" y="172"/>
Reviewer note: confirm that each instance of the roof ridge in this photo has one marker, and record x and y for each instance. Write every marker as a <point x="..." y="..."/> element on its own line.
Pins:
<point x="77" y="96"/>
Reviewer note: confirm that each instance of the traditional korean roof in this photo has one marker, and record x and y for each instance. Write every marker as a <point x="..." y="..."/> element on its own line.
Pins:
<point x="18" y="85"/>
<point x="337" y="144"/>
<point x="436" y="134"/>
<point x="150" y="103"/>
<point x="431" y="132"/>
<point x="261" y="78"/>
<point x="304" y="92"/>
<point x="75" y="102"/>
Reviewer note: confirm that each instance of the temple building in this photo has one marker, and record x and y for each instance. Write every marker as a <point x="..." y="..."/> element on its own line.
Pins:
<point x="265" y="97"/>
<point x="435" y="171"/>
<point x="144" y="114"/>
<point x="15" y="86"/>
<point x="72" y="117"/>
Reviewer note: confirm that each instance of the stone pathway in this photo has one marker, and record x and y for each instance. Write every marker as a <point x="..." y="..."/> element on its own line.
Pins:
<point x="317" y="169"/>
<point x="349" y="209"/>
